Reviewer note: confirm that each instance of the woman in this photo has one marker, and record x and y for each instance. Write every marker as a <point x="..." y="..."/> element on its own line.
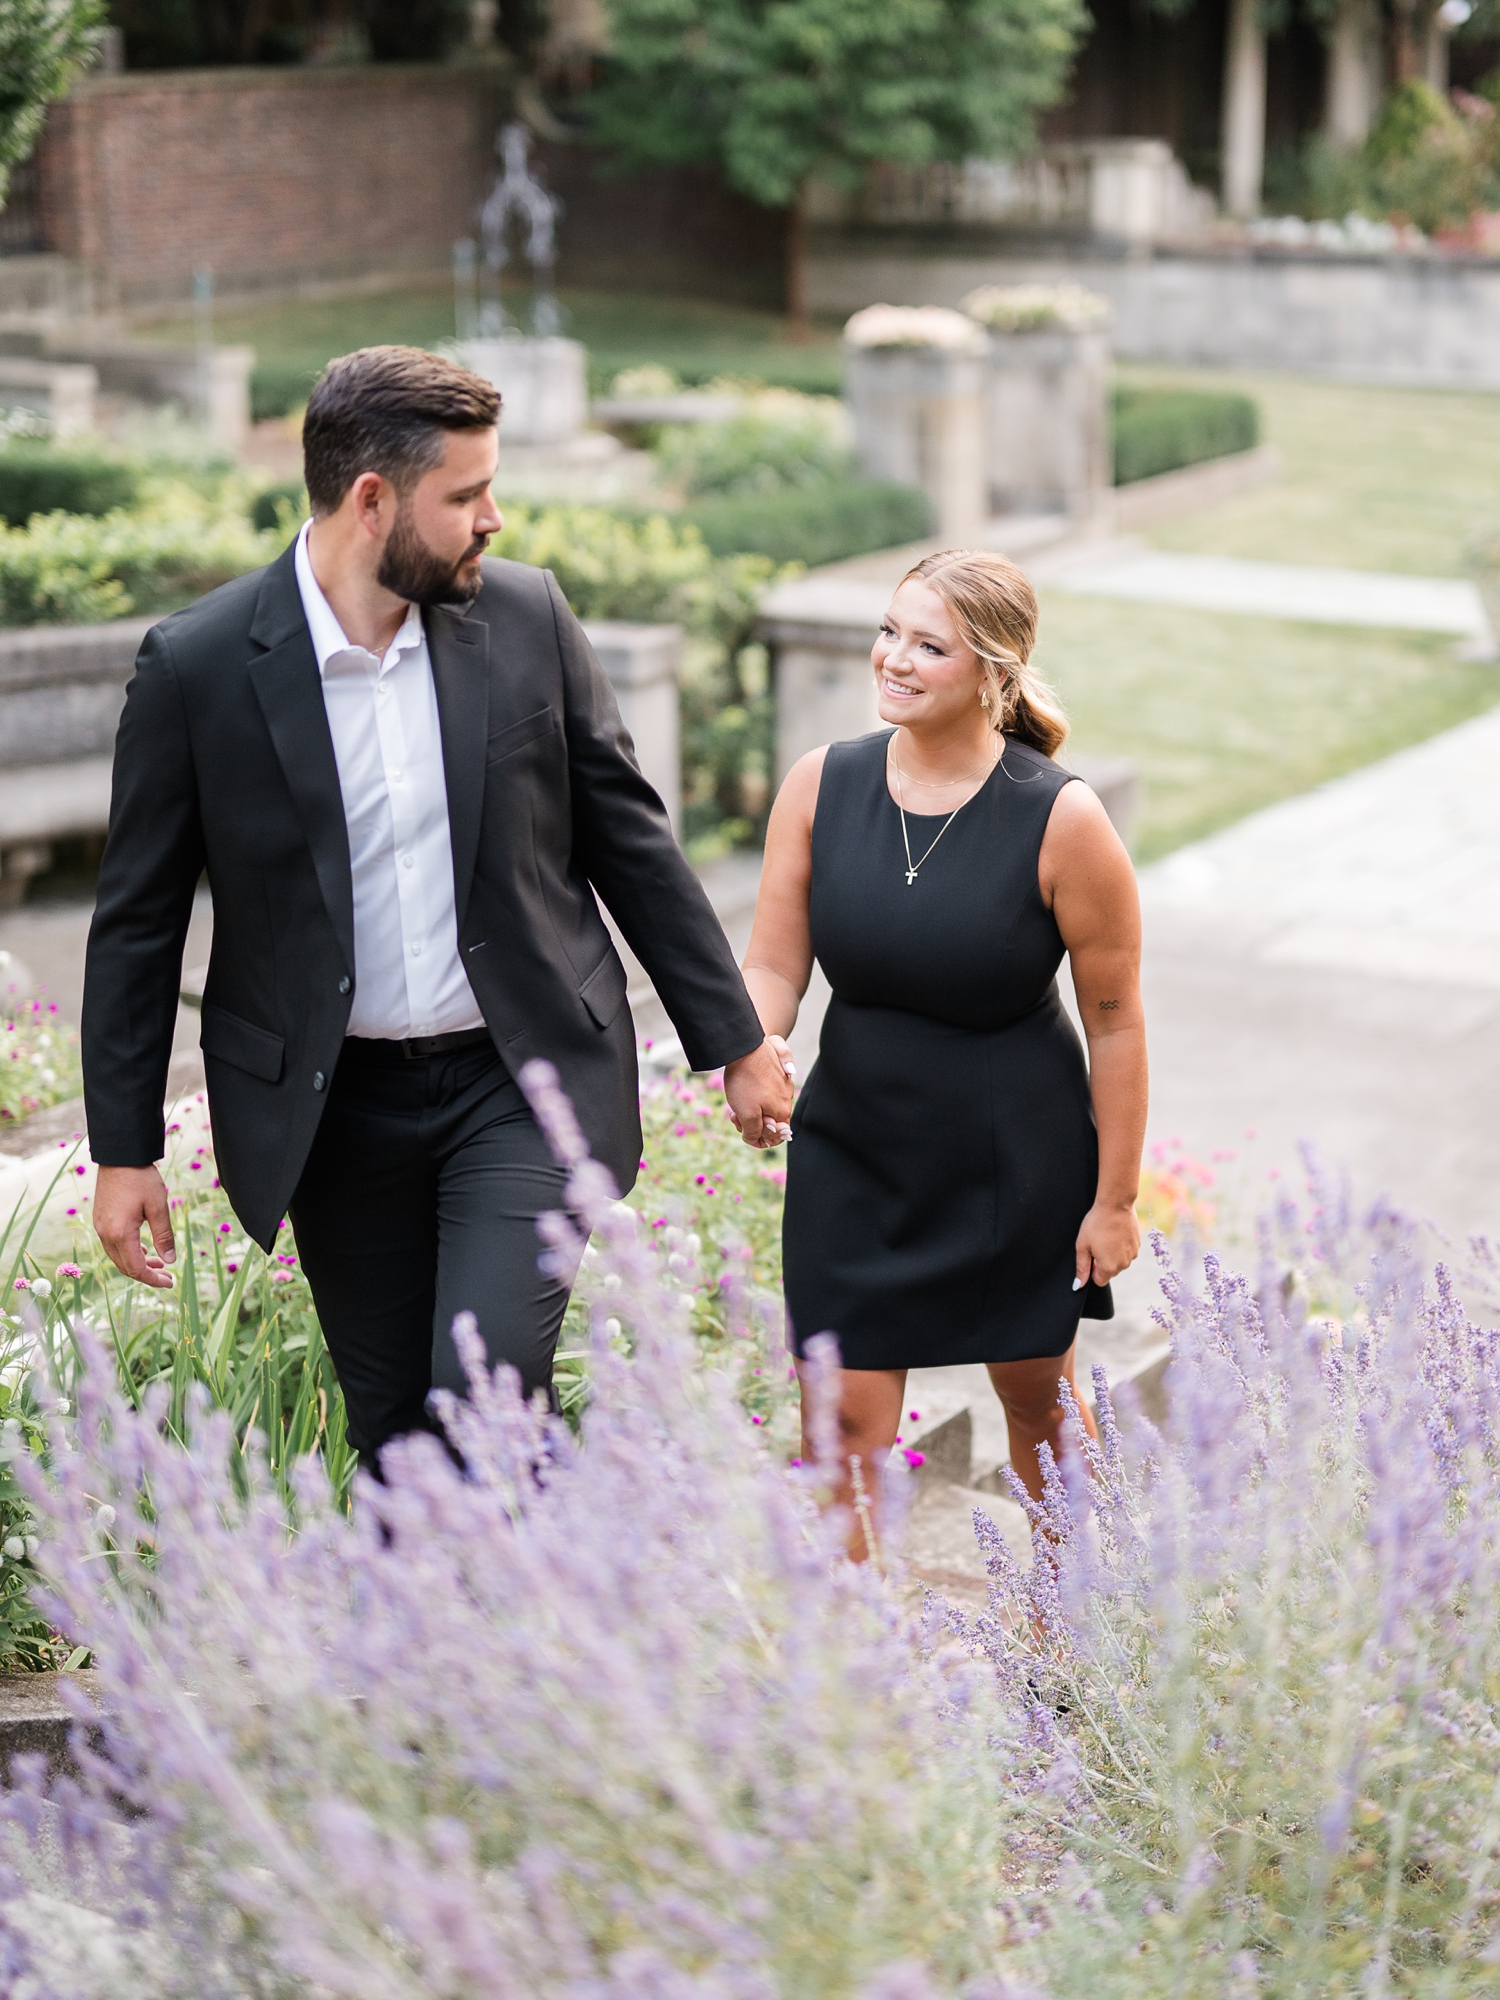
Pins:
<point x="962" y="1188"/>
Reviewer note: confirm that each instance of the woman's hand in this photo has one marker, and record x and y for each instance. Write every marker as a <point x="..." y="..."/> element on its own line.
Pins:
<point x="764" y="1127"/>
<point x="1108" y="1243"/>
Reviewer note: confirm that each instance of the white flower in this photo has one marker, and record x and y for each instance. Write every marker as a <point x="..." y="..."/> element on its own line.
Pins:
<point x="692" y="1244"/>
<point x="14" y="1547"/>
<point x="1026" y="308"/>
<point x="612" y="1328"/>
<point x="32" y="1545"/>
<point x="612" y="1281"/>
<point x="913" y="326"/>
<point x="41" y="1288"/>
<point x="105" y="1517"/>
<point x="62" y="1406"/>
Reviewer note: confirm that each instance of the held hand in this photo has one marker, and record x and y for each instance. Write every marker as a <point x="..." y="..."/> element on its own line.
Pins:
<point x="1108" y="1243"/>
<point x="124" y="1199"/>
<point x="759" y="1090"/>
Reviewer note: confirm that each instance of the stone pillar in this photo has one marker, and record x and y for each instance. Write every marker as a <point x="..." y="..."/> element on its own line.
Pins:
<point x="643" y="663"/>
<point x="919" y="421"/>
<point x="1243" y="125"/>
<point x="1047" y="421"/>
<point x="543" y="385"/>
<point x="1353" y="84"/>
<point x="1435" y="51"/>
<point x="819" y="633"/>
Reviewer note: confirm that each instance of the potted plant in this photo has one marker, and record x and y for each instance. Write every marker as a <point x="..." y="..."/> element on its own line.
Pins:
<point x="1047" y="396"/>
<point x="914" y="380"/>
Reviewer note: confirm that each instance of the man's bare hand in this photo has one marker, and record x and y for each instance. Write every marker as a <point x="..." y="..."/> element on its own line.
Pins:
<point x="125" y="1198"/>
<point x="759" y="1089"/>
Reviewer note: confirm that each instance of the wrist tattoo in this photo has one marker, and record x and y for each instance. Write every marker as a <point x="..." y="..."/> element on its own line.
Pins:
<point x="1108" y="1006"/>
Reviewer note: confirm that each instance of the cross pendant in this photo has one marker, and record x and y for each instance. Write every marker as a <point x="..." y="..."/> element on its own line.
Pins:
<point x="911" y="876"/>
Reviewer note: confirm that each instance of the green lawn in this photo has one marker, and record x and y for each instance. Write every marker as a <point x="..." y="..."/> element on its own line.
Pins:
<point x="1226" y="714"/>
<point x="1384" y="479"/>
<point x="696" y="338"/>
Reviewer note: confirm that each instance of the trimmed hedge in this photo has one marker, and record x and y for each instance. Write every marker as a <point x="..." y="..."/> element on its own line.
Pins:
<point x="811" y="524"/>
<point x="279" y="387"/>
<point x="41" y="478"/>
<point x="1159" y="430"/>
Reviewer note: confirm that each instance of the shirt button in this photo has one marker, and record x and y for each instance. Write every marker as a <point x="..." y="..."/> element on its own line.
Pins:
<point x="406" y="861"/>
<point x="345" y="983"/>
<point x="318" y="1079"/>
<point x="416" y="951"/>
<point x="395" y="777"/>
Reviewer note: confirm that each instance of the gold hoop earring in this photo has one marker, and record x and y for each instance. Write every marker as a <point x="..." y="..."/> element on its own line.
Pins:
<point x="984" y="697"/>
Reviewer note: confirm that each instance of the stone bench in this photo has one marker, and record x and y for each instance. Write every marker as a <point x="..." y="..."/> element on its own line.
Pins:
<point x="212" y="387"/>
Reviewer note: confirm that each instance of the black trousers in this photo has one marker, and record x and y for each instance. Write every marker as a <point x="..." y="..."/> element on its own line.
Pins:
<point x="419" y="1201"/>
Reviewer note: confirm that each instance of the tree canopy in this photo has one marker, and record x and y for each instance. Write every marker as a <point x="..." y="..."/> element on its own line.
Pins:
<point x="43" y="43"/>
<point x="777" y="91"/>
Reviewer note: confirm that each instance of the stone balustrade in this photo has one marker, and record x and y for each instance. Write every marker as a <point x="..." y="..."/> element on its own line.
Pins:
<point x="62" y="688"/>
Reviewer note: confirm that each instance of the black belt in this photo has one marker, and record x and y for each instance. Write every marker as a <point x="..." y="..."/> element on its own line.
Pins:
<point x="420" y="1045"/>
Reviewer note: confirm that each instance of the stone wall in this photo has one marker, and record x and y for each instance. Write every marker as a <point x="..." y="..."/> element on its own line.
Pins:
<point x="291" y="177"/>
<point x="1430" y="319"/>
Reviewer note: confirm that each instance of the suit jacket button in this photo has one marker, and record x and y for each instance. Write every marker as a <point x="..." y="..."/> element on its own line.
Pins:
<point x="345" y="983"/>
<point x="318" y="1079"/>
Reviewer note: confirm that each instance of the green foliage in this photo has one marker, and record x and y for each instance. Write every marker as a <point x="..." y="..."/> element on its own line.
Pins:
<point x="74" y="569"/>
<point x="39" y="1062"/>
<point x="777" y="94"/>
<point x="1428" y="161"/>
<point x="779" y="439"/>
<point x="41" y="478"/>
<point x="279" y="387"/>
<point x="284" y="503"/>
<point x="814" y="524"/>
<point x="1158" y="430"/>
<point x="43" y="45"/>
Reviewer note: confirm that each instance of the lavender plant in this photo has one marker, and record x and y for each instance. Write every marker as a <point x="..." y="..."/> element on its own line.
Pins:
<point x="608" y="1719"/>
<point x="1254" y="1667"/>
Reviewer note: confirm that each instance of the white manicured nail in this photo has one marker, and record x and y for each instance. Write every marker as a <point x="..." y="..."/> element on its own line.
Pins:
<point x="1078" y="1284"/>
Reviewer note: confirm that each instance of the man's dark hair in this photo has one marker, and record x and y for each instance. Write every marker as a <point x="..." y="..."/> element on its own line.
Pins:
<point x="385" y="409"/>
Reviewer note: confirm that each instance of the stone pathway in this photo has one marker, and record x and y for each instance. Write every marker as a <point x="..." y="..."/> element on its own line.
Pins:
<point x="1273" y="590"/>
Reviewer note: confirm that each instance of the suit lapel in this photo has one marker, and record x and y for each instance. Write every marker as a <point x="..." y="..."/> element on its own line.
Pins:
<point x="290" y="692"/>
<point x="459" y="649"/>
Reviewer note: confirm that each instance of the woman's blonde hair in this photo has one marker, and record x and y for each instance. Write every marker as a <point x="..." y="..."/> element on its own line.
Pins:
<point x="994" y="608"/>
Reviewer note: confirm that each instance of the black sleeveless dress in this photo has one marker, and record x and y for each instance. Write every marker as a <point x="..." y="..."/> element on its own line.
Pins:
<point x="944" y="1152"/>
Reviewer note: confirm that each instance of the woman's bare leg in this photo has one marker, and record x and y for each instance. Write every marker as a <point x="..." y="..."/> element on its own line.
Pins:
<point x="1034" y="1411"/>
<point x="869" y="1417"/>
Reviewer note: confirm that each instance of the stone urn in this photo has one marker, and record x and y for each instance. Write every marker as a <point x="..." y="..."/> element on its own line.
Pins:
<point x="1048" y="444"/>
<point x="915" y="384"/>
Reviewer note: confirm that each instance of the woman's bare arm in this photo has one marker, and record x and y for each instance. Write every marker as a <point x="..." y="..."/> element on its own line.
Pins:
<point x="778" y="963"/>
<point x="1087" y="880"/>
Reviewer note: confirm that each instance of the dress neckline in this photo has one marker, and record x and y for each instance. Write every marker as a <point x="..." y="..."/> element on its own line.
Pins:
<point x="885" y="747"/>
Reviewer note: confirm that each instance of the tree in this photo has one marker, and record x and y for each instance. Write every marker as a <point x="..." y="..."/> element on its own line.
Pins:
<point x="780" y="91"/>
<point x="43" y="45"/>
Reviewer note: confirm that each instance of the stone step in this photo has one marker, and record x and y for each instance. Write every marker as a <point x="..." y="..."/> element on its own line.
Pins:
<point x="34" y="1717"/>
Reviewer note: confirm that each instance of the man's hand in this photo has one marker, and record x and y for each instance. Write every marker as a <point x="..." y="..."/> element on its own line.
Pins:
<point x="124" y="1199"/>
<point x="759" y="1089"/>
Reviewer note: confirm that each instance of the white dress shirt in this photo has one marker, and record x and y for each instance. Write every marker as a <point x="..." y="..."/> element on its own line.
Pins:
<point x="382" y="713"/>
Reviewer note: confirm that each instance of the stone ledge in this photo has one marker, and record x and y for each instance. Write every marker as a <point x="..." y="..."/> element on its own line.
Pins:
<point x="34" y="1717"/>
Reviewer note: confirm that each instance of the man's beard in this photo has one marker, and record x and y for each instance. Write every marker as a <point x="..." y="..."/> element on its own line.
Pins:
<point x="410" y="569"/>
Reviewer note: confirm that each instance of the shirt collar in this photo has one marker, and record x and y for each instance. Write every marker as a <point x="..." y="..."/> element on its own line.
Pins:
<point x="328" y="637"/>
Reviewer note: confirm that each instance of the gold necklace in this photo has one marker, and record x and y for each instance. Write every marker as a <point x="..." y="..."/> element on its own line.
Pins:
<point x="913" y="866"/>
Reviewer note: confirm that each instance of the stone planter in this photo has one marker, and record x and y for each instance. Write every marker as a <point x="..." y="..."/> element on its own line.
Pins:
<point x="543" y="385"/>
<point x="919" y="421"/>
<point x="1047" y="428"/>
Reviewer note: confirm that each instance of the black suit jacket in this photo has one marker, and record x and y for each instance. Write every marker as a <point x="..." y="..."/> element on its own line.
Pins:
<point x="224" y="761"/>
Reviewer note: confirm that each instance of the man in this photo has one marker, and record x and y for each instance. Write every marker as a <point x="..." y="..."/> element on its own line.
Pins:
<point x="405" y="774"/>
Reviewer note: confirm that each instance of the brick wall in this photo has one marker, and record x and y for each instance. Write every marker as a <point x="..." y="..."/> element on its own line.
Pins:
<point x="273" y="176"/>
<point x="286" y="177"/>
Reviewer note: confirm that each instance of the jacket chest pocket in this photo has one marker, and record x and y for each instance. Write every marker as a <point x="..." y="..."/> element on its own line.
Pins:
<point x="530" y="729"/>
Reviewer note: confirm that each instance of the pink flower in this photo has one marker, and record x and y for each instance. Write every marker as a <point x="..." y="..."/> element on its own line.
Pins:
<point x="23" y="1284"/>
<point x="69" y="1271"/>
